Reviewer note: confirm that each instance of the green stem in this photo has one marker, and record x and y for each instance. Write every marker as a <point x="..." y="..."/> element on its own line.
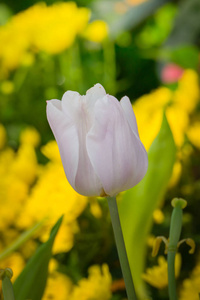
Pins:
<point x="112" y="203"/>
<point x="7" y="288"/>
<point x="21" y="240"/>
<point x="171" y="275"/>
<point x="174" y="236"/>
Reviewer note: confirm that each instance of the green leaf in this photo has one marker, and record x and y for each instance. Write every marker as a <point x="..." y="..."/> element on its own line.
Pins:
<point x="32" y="281"/>
<point x="137" y="205"/>
<point x="25" y="236"/>
<point x="185" y="56"/>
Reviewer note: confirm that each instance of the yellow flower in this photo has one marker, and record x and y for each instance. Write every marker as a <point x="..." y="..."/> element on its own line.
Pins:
<point x="16" y="262"/>
<point x="18" y="171"/>
<point x="25" y="164"/>
<point x="96" y="287"/>
<point x="51" y="151"/>
<point x="96" y="31"/>
<point x="30" y="192"/>
<point x="65" y="237"/>
<point x="13" y="189"/>
<point x="176" y="173"/>
<point x="149" y="112"/>
<point x="187" y="94"/>
<point x="157" y="275"/>
<point x="51" y="197"/>
<point x="193" y="134"/>
<point x="14" y="46"/>
<point x="178" y="120"/>
<point x="158" y="216"/>
<point x="30" y="136"/>
<point x="58" y="287"/>
<point x="11" y="198"/>
<point x="58" y="26"/>
<point x="40" y="28"/>
<point x="191" y="286"/>
<point x="179" y="104"/>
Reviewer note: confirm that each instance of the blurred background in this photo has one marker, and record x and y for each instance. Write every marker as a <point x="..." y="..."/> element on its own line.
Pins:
<point x="145" y="49"/>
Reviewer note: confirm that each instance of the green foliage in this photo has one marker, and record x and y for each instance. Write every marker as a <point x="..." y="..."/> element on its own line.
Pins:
<point x="31" y="282"/>
<point x="186" y="56"/>
<point x="137" y="205"/>
<point x="157" y="27"/>
<point x="25" y="236"/>
<point x="186" y="24"/>
<point x="130" y="19"/>
<point x="143" y="36"/>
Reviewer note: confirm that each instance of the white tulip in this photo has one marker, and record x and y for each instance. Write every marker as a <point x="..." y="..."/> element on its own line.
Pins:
<point x="98" y="141"/>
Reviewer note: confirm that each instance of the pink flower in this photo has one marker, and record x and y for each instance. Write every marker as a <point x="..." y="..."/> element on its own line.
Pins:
<point x="98" y="141"/>
<point x="171" y="73"/>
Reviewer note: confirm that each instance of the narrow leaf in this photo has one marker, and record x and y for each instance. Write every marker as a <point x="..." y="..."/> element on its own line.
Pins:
<point x="137" y="205"/>
<point x="32" y="281"/>
<point x="20" y="240"/>
<point x="7" y="289"/>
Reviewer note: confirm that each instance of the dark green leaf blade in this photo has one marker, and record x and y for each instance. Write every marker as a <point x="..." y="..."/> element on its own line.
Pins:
<point x="32" y="281"/>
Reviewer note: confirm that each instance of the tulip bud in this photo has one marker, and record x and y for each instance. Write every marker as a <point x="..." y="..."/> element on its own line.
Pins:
<point x="98" y="142"/>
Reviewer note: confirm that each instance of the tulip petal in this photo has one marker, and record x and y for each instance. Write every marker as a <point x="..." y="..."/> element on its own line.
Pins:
<point x="86" y="181"/>
<point x="129" y="113"/>
<point x="70" y="103"/>
<point x="116" y="153"/>
<point x="94" y="93"/>
<point x="73" y="102"/>
<point x="66" y="136"/>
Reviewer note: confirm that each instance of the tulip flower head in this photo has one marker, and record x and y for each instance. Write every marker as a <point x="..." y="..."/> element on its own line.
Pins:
<point x="98" y="141"/>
